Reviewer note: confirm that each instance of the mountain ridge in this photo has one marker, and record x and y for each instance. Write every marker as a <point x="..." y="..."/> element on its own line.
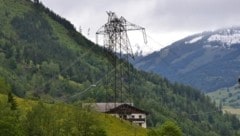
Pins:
<point x="43" y="59"/>
<point x="197" y="56"/>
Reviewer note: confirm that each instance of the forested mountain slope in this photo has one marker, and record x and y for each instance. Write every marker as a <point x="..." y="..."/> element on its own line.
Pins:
<point x="43" y="57"/>
<point x="207" y="61"/>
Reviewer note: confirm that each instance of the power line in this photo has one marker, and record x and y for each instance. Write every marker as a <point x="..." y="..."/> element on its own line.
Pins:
<point x="95" y="84"/>
<point x="177" y="55"/>
<point x="116" y="38"/>
<point x="174" y="69"/>
<point x="167" y="63"/>
<point x="65" y="69"/>
<point x="203" y="113"/>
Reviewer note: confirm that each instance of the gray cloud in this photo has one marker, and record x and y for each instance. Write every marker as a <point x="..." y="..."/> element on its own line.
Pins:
<point x="157" y="16"/>
<point x="196" y="14"/>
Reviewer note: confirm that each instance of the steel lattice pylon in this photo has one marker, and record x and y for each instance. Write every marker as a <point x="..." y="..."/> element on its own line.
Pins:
<point x="115" y="40"/>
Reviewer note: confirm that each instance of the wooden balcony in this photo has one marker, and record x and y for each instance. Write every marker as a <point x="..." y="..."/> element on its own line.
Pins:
<point x="136" y="119"/>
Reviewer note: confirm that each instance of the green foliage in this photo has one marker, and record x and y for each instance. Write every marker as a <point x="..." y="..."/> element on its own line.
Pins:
<point x="12" y="101"/>
<point x="187" y="106"/>
<point x="168" y="128"/>
<point x="152" y="132"/>
<point x="34" y="118"/>
<point x="50" y="69"/>
<point x="4" y="86"/>
<point x="43" y="57"/>
<point x="61" y="120"/>
<point x="227" y="96"/>
<point x="10" y="124"/>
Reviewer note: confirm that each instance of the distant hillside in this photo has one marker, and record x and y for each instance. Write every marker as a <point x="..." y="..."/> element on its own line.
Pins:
<point x="228" y="98"/>
<point x="207" y="61"/>
<point x="42" y="57"/>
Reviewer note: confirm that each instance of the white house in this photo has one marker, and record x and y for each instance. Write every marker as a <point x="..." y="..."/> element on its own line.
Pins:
<point x="124" y="111"/>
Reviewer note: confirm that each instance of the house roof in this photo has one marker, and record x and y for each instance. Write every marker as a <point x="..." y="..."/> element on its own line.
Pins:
<point x="104" y="107"/>
<point x="126" y="109"/>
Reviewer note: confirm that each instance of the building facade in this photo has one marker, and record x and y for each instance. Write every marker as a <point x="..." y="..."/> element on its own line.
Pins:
<point x="130" y="113"/>
<point x="124" y="111"/>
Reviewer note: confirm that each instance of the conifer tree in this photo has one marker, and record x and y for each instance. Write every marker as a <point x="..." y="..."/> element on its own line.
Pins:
<point x="12" y="101"/>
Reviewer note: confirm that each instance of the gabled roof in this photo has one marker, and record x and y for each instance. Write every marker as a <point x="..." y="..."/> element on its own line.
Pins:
<point x="104" y="107"/>
<point x="126" y="109"/>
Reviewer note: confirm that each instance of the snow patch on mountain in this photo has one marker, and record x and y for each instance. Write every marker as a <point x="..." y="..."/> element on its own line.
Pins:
<point x="194" y="40"/>
<point x="210" y="46"/>
<point x="225" y="39"/>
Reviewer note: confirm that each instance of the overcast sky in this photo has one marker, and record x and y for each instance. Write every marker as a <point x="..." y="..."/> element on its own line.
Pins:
<point x="165" y="20"/>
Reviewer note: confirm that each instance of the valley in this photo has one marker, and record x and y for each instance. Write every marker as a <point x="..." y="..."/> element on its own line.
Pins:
<point x="207" y="61"/>
<point x="48" y="69"/>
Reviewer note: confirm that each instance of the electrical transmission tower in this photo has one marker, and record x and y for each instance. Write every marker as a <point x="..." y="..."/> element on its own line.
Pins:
<point x="116" y="41"/>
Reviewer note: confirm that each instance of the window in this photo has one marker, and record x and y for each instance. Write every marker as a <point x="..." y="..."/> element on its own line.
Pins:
<point x="133" y="116"/>
<point x="140" y="116"/>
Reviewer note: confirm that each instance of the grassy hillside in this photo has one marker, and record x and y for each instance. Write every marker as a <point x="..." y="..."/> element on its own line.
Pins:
<point x="232" y="110"/>
<point x="228" y="98"/>
<point x="42" y="57"/>
<point x="110" y="125"/>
